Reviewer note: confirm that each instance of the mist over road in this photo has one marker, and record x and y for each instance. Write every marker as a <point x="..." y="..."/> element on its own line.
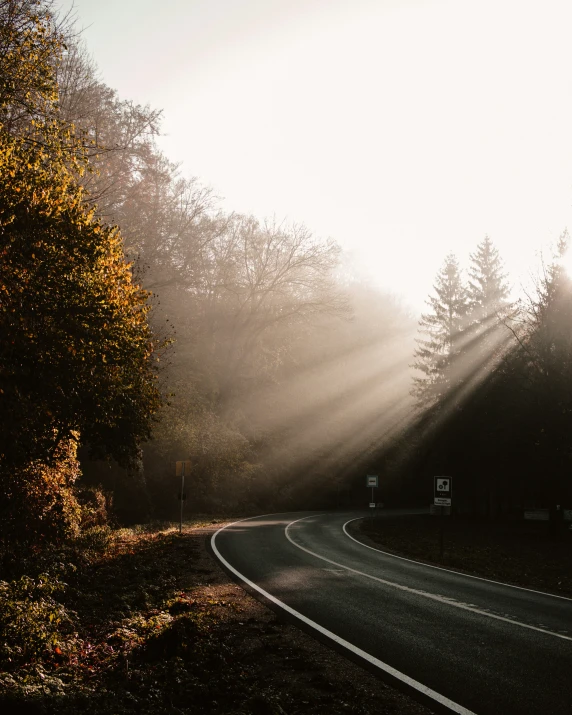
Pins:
<point x="466" y="644"/>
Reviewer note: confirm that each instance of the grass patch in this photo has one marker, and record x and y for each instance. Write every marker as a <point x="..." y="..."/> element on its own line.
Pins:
<point x="517" y="552"/>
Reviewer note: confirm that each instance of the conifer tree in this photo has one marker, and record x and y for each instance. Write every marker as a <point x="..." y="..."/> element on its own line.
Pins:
<point x="546" y="323"/>
<point x="539" y="371"/>
<point x="488" y="310"/>
<point x="487" y="289"/>
<point x="443" y="327"/>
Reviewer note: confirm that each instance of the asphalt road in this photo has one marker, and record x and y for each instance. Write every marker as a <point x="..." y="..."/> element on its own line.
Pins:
<point x="465" y="644"/>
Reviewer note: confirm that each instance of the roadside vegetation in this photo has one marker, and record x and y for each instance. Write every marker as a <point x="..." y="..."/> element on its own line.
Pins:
<point x="524" y="553"/>
<point x="142" y="620"/>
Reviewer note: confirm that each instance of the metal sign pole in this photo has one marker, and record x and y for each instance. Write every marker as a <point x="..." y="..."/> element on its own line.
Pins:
<point x="442" y="520"/>
<point x="372" y="480"/>
<point x="443" y="491"/>
<point x="181" y="469"/>
<point x="182" y="497"/>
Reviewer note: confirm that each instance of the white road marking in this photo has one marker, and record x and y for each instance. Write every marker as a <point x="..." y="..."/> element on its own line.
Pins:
<point x="441" y="699"/>
<point x="417" y="592"/>
<point x="442" y="568"/>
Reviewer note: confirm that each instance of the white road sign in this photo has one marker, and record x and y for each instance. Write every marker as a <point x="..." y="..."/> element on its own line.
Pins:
<point x="371" y="480"/>
<point x="443" y="490"/>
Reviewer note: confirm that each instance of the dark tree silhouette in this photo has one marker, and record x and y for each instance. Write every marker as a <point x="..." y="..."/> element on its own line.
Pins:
<point x="443" y="327"/>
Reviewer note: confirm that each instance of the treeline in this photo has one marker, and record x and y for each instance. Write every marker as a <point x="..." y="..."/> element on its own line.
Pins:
<point x="245" y="345"/>
<point x="241" y="344"/>
<point x="493" y="386"/>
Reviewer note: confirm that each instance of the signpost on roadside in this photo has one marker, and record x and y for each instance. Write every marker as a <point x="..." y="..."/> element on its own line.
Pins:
<point x="182" y="470"/>
<point x="442" y="496"/>
<point x="443" y="487"/>
<point x="372" y="480"/>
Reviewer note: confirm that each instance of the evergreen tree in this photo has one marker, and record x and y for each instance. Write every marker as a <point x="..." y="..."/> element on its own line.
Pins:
<point x="443" y="327"/>
<point x="545" y="331"/>
<point x="488" y="310"/>
<point x="536" y="379"/>
<point x="487" y="289"/>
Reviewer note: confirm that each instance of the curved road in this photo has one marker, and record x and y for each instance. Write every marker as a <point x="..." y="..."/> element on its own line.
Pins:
<point x="462" y="644"/>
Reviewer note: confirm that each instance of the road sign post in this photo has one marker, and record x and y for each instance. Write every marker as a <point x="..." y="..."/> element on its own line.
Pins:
<point x="182" y="469"/>
<point x="443" y="489"/>
<point x="372" y="480"/>
<point x="442" y="496"/>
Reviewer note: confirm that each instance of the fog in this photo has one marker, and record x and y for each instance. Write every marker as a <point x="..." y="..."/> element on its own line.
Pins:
<point x="403" y="130"/>
<point x="348" y="249"/>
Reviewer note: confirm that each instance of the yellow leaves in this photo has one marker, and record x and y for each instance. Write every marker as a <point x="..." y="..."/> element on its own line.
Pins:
<point x="66" y="272"/>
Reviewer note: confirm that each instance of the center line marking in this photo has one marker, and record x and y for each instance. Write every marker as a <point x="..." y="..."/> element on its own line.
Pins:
<point x="392" y="672"/>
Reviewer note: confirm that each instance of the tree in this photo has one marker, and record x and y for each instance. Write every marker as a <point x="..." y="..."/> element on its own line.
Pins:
<point x="487" y="290"/>
<point x="77" y="354"/>
<point x="117" y="135"/>
<point x="436" y="355"/>
<point x="485" y="337"/>
<point x="276" y="278"/>
<point x="541" y="366"/>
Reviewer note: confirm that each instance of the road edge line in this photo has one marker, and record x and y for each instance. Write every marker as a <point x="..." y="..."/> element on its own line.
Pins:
<point x="398" y="675"/>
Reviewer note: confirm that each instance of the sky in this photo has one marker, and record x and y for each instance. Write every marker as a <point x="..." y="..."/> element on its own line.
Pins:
<point x="403" y="129"/>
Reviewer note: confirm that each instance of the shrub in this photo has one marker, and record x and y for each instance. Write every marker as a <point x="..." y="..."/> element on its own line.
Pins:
<point x="38" y="500"/>
<point x="93" y="503"/>
<point x="31" y="620"/>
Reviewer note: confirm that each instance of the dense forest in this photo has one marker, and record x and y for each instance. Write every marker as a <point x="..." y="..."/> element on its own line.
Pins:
<point x="492" y="387"/>
<point x="142" y="325"/>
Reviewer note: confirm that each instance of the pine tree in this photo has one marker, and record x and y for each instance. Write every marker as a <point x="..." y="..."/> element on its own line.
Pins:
<point x="489" y="308"/>
<point x="546" y="323"/>
<point x="487" y="289"/>
<point x="539" y="368"/>
<point x="436" y="354"/>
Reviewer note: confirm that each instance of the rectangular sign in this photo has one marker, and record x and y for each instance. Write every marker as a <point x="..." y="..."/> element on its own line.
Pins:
<point x="372" y="504"/>
<point x="183" y="468"/>
<point x="443" y="488"/>
<point x="371" y="480"/>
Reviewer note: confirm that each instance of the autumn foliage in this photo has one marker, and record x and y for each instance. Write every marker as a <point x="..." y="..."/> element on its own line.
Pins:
<point x="77" y="356"/>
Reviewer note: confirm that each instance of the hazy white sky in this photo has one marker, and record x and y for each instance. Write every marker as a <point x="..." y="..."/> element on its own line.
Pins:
<point x="403" y="129"/>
